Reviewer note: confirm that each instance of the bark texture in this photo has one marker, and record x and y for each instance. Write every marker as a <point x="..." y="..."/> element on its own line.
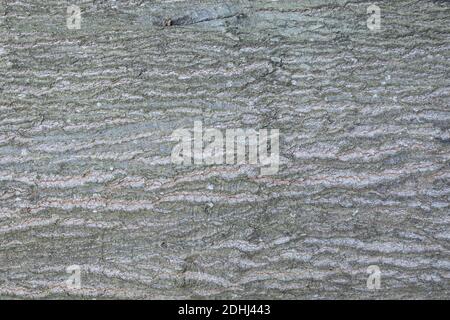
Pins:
<point x="85" y="172"/>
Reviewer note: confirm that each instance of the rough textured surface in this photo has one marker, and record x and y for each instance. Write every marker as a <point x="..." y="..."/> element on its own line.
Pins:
<point x="85" y="172"/>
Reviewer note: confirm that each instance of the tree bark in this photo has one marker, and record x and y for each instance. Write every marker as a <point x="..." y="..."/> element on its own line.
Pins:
<point x="86" y="176"/>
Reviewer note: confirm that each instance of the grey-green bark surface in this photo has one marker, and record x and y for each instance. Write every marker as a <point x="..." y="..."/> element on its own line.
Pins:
<point x="86" y="177"/>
